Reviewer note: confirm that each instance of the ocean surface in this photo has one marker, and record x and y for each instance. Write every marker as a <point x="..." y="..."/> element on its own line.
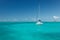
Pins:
<point x="29" y="31"/>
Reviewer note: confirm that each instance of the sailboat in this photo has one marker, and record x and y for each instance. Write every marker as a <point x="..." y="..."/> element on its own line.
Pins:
<point x="39" y="22"/>
<point x="38" y="17"/>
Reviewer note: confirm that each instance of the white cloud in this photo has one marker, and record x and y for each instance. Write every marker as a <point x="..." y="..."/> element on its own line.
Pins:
<point x="56" y="17"/>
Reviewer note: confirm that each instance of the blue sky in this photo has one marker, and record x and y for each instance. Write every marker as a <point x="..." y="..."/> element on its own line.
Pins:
<point x="26" y="10"/>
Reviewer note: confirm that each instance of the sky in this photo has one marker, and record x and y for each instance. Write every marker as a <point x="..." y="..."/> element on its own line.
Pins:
<point x="29" y="10"/>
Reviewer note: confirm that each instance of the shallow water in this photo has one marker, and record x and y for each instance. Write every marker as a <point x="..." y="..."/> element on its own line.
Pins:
<point x="29" y="31"/>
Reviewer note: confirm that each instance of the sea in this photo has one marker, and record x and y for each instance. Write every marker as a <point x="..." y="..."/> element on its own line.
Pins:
<point x="29" y="31"/>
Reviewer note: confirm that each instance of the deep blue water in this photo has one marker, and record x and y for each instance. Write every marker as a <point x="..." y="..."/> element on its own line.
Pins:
<point x="29" y="31"/>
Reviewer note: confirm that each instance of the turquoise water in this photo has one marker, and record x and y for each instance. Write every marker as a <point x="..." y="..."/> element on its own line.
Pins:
<point x="29" y="31"/>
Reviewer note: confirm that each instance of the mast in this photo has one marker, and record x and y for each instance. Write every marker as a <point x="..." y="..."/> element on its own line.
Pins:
<point x="38" y="13"/>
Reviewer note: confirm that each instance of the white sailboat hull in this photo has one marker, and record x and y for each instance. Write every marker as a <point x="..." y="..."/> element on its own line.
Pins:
<point x="39" y="23"/>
